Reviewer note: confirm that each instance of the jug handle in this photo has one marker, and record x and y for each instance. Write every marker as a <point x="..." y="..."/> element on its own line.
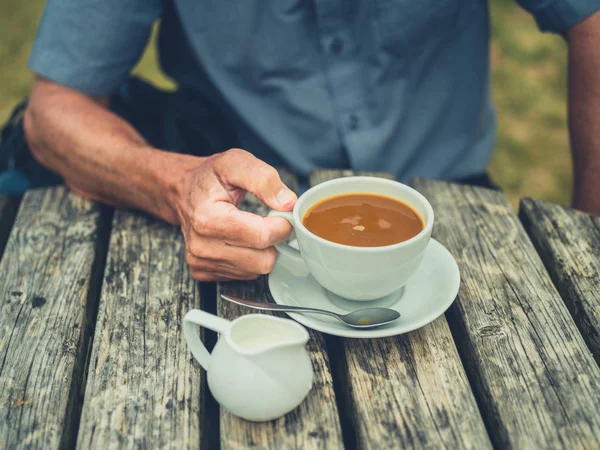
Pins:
<point x="207" y="320"/>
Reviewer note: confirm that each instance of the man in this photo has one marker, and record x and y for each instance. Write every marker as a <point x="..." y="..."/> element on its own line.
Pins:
<point x="395" y="85"/>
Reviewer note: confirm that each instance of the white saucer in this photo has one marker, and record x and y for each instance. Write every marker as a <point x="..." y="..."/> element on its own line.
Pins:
<point x="427" y="295"/>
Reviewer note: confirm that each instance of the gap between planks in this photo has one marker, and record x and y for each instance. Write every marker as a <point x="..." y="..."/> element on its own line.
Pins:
<point x="535" y="379"/>
<point x="408" y="391"/>
<point x="315" y="423"/>
<point x="144" y="387"/>
<point x="569" y="243"/>
<point x="8" y="211"/>
<point x="49" y="286"/>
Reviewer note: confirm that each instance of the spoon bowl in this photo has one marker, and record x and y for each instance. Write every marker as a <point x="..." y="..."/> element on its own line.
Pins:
<point x="362" y="318"/>
<point x="370" y="317"/>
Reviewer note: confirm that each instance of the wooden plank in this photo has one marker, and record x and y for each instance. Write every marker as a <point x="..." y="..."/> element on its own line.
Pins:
<point x="537" y="383"/>
<point x="49" y="279"/>
<point x="315" y="423"/>
<point x="408" y="391"/>
<point x="318" y="176"/>
<point x="569" y="243"/>
<point x="8" y="211"/>
<point x="144" y="389"/>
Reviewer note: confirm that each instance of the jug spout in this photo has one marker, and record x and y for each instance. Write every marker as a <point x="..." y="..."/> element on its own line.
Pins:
<point x="275" y="353"/>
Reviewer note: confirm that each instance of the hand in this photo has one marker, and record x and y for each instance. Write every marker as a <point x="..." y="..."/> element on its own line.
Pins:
<point x="223" y="242"/>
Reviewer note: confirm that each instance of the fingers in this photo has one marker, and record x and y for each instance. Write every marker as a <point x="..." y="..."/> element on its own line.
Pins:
<point x="222" y="241"/>
<point x="236" y="262"/>
<point x="224" y="222"/>
<point x="238" y="168"/>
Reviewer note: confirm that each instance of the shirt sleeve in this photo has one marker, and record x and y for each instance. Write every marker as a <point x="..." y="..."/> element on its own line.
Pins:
<point x="557" y="16"/>
<point x="92" y="45"/>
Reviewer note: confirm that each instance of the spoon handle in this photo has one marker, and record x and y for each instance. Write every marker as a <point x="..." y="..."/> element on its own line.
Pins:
<point x="275" y="307"/>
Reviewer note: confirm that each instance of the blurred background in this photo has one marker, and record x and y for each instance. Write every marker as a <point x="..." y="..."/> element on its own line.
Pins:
<point x="529" y="89"/>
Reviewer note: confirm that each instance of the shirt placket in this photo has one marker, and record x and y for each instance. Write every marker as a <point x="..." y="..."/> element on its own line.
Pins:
<point x="343" y="71"/>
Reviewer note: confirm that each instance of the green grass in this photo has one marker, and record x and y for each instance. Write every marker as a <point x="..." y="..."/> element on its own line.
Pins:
<point x="529" y="89"/>
<point x="18" y="22"/>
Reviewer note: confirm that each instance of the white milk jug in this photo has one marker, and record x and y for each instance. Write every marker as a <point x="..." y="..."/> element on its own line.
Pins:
<point x="259" y="369"/>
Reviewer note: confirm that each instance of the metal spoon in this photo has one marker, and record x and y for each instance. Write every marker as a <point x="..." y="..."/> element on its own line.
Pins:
<point x="362" y="318"/>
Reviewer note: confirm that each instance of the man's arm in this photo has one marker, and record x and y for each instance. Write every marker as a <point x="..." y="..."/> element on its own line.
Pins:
<point x="584" y="112"/>
<point x="98" y="154"/>
<point x="102" y="157"/>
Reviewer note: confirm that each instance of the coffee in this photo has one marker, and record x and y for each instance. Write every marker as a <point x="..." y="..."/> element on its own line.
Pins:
<point x="363" y="220"/>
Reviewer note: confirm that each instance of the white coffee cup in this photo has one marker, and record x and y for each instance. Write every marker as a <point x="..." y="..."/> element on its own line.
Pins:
<point x="358" y="273"/>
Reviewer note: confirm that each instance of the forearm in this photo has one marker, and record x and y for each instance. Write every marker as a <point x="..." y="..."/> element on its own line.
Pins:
<point x="584" y="112"/>
<point x="99" y="154"/>
<point x="104" y="158"/>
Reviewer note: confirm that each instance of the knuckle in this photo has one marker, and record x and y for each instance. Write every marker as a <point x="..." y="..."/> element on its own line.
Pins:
<point x="232" y="156"/>
<point x="197" y="249"/>
<point x="199" y="275"/>
<point x="200" y="223"/>
<point x="206" y="275"/>
<point x="267" y="261"/>
<point x="268" y="177"/>
<point x="262" y="239"/>
<point x="190" y="258"/>
<point x="213" y="160"/>
<point x="236" y="153"/>
<point x="270" y="173"/>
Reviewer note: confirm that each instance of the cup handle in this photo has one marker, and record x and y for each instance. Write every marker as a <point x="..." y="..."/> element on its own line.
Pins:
<point x="204" y="319"/>
<point x="284" y="248"/>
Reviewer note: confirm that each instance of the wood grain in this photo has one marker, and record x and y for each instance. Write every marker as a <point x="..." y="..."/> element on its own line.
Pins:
<point x="8" y="211"/>
<point x="408" y="391"/>
<point x="144" y="389"/>
<point x="569" y="244"/>
<point x="537" y="383"/>
<point x="49" y="280"/>
<point x="321" y="175"/>
<point x="315" y="423"/>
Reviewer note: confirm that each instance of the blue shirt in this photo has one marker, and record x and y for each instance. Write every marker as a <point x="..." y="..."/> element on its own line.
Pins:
<point x="392" y="85"/>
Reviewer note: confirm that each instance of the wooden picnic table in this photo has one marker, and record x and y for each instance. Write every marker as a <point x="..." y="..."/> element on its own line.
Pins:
<point x="92" y="354"/>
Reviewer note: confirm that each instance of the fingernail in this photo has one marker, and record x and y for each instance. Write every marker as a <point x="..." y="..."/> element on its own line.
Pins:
<point x="285" y="196"/>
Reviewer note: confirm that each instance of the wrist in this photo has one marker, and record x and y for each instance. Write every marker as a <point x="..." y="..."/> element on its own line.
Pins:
<point x="171" y="177"/>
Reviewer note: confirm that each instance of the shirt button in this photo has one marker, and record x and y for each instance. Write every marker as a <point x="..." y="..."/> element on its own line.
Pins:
<point x="353" y="122"/>
<point x="336" y="45"/>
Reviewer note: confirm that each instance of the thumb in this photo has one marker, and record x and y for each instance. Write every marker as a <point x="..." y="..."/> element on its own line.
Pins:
<point x="241" y="169"/>
<point x="284" y="200"/>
